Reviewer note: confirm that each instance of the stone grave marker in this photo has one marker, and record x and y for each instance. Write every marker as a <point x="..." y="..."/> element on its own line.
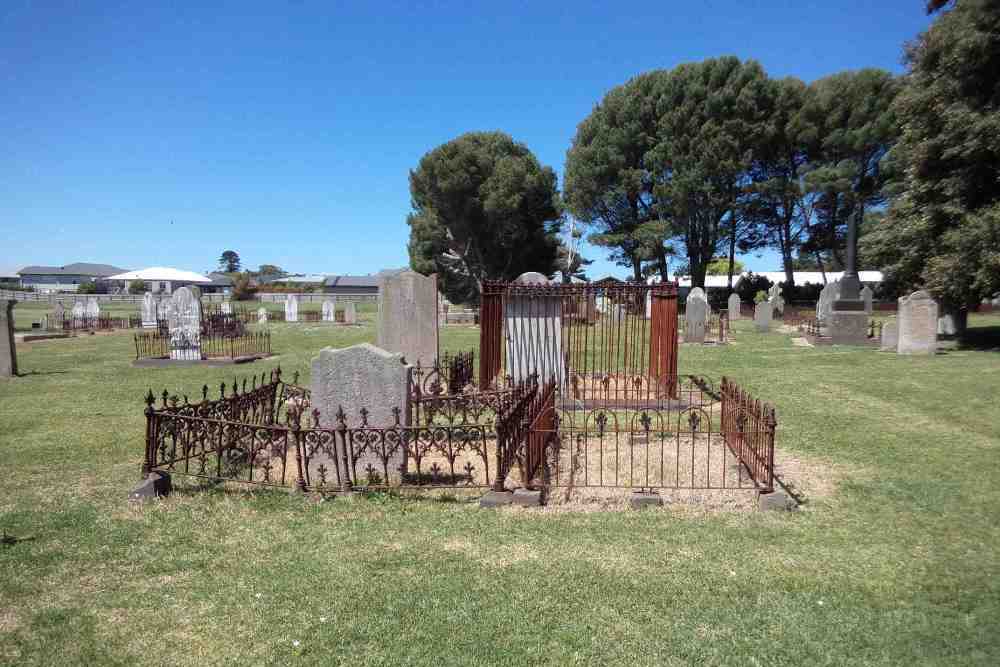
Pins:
<point x="79" y="313"/>
<point x="184" y="323"/>
<point x="292" y="308"/>
<point x="363" y="376"/>
<point x="329" y="310"/>
<point x="226" y="308"/>
<point x="946" y="325"/>
<point x="890" y="335"/>
<point x="8" y="353"/>
<point x="93" y="309"/>
<point x="763" y="312"/>
<point x="775" y="298"/>
<point x="59" y="314"/>
<point x="824" y="306"/>
<point x="918" y="316"/>
<point x="262" y="315"/>
<point x="407" y="316"/>
<point x="350" y="313"/>
<point x="733" y="306"/>
<point x="148" y="309"/>
<point x="695" y="316"/>
<point x="534" y="333"/>
<point x="866" y="296"/>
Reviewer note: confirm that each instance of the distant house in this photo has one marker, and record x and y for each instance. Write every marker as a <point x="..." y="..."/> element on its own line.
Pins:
<point x="221" y="284"/>
<point x="294" y="280"/>
<point x="65" y="278"/>
<point x="351" y="285"/>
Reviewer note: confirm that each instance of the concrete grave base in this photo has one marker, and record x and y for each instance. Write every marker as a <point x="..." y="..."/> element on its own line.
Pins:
<point x="776" y="500"/>
<point x="527" y="498"/>
<point x="156" y="484"/>
<point x="496" y="499"/>
<point x="642" y="499"/>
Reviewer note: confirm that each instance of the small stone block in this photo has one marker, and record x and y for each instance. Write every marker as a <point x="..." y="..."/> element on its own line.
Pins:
<point x="527" y="498"/>
<point x="496" y="499"/>
<point x="155" y="485"/>
<point x="640" y="499"/>
<point x="776" y="500"/>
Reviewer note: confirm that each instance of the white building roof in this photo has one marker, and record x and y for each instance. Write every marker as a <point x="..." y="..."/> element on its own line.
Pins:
<point x="801" y="278"/>
<point x="162" y="273"/>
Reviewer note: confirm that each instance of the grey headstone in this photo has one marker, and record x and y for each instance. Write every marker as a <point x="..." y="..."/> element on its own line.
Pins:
<point x="291" y="308"/>
<point x="262" y="315"/>
<point x="93" y="308"/>
<point x="226" y="308"/>
<point x="79" y="312"/>
<point x="829" y="294"/>
<point x="350" y="313"/>
<point x="184" y="323"/>
<point x="148" y="311"/>
<point x="918" y="315"/>
<point x="946" y="325"/>
<point x="8" y="353"/>
<point x="890" y="336"/>
<point x="762" y="315"/>
<point x="695" y="315"/>
<point x="533" y="326"/>
<point x="866" y="296"/>
<point x="733" y="306"/>
<point x="407" y="316"/>
<point x="363" y="376"/>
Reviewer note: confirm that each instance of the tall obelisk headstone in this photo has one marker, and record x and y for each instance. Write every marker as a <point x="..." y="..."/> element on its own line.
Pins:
<point x="407" y="316"/>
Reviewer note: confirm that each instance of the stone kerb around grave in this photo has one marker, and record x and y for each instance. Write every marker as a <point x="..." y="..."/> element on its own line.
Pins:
<point x="363" y="376"/>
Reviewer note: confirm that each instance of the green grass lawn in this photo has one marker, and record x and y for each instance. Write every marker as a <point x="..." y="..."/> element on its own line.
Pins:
<point x="897" y="563"/>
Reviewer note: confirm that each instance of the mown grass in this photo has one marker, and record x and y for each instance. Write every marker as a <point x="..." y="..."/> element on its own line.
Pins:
<point x="898" y="566"/>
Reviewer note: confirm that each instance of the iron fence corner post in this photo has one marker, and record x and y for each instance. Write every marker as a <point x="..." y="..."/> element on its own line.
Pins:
<point x="296" y="424"/>
<point x="148" y="457"/>
<point x="772" y="424"/>
<point x="342" y="434"/>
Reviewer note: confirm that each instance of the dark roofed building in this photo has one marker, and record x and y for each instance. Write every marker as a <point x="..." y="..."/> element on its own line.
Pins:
<point x="65" y="278"/>
<point x="351" y="285"/>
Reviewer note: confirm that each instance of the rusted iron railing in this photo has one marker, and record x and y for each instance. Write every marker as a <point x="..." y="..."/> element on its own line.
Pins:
<point x="749" y="426"/>
<point x="156" y="345"/>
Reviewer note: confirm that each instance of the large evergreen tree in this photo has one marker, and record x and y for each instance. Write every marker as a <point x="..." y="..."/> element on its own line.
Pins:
<point x="943" y="230"/>
<point x="483" y="208"/>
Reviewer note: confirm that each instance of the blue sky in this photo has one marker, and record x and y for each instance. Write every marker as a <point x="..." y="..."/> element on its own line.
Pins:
<point x="140" y="135"/>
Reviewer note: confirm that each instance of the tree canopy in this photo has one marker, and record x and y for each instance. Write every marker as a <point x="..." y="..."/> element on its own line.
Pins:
<point x="942" y="232"/>
<point x="229" y="261"/>
<point x="483" y="208"/>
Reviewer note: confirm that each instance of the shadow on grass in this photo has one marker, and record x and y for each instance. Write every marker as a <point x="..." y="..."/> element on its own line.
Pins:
<point x="24" y="374"/>
<point x="983" y="339"/>
<point x="228" y="488"/>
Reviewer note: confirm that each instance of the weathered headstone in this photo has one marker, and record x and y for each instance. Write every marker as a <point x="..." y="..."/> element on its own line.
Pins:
<point x="79" y="313"/>
<point x="292" y="308"/>
<point x="59" y="314"/>
<point x="533" y="323"/>
<point x="695" y="315"/>
<point x="829" y="294"/>
<point x="184" y="323"/>
<point x="262" y="315"/>
<point x="866" y="296"/>
<point x="350" y="313"/>
<point x="93" y="309"/>
<point x="226" y="308"/>
<point x="763" y="312"/>
<point x="733" y="306"/>
<point x="148" y="311"/>
<point x="407" y="316"/>
<point x="946" y="325"/>
<point x="363" y="376"/>
<point x="890" y="335"/>
<point x="163" y="309"/>
<point x="8" y="353"/>
<point x="776" y="299"/>
<point x="918" y="315"/>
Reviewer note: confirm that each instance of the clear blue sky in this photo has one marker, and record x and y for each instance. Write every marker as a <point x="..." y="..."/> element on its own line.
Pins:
<point x="140" y="135"/>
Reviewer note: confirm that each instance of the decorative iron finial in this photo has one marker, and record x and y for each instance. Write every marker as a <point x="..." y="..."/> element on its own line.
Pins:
<point x="395" y="414"/>
<point x="150" y="399"/>
<point x="341" y="417"/>
<point x="204" y="392"/>
<point x="315" y="417"/>
<point x="364" y="417"/>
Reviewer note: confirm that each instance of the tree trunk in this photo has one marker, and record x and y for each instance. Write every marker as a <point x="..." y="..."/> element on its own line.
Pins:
<point x="732" y="249"/>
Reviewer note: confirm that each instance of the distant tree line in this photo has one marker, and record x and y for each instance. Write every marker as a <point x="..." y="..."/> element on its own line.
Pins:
<point x="679" y="168"/>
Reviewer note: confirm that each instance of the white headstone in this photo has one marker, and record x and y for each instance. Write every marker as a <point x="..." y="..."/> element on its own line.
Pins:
<point x="776" y="299"/>
<point x="890" y="336"/>
<point x="329" y="310"/>
<point x="148" y="311"/>
<point x="866" y="296"/>
<point x="407" y="316"/>
<point x="93" y="308"/>
<point x="362" y="376"/>
<point x="695" y="316"/>
<point x="829" y="294"/>
<point x="184" y="324"/>
<point x="918" y="317"/>
<point x="350" y="313"/>
<point x="292" y="308"/>
<point x="226" y="308"/>
<point x="762" y="314"/>
<point x="262" y="315"/>
<point x="733" y="306"/>
<point x="946" y="325"/>
<point x="79" y="312"/>
<point x="533" y="325"/>
<point x="59" y="314"/>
